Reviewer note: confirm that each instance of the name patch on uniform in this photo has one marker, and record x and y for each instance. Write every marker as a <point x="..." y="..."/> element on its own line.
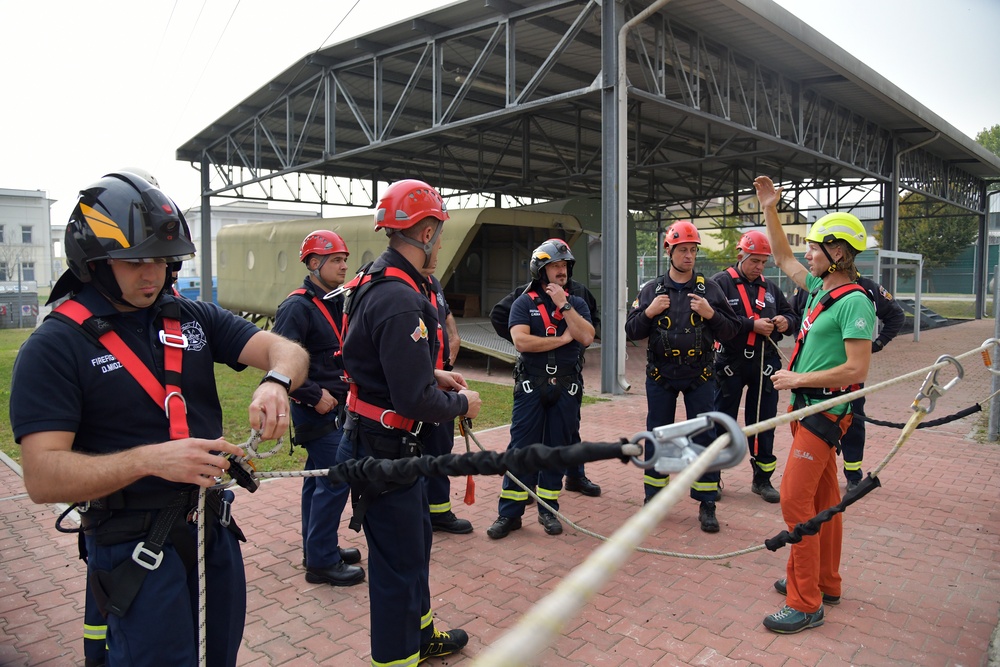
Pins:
<point x="420" y="332"/>
<point x="107" y="363"/>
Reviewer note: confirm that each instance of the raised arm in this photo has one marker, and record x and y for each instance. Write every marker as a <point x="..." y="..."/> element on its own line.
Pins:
<point x="768" y="196"/>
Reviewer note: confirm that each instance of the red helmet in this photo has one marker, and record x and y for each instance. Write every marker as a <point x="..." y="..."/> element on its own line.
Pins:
<point x="405" y="203"/>
<point x="754" y="242"/>
<point x="681" y="231"/>
<point x="322" y="242"/>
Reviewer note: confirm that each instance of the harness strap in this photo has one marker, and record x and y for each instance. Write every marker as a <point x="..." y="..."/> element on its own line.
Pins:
<point x="325" y="312"/>
<point x="387" y="417"/>
<point x="169" y="396"/>
<point x="753" y="309"/>
<point x="828" y="300"/>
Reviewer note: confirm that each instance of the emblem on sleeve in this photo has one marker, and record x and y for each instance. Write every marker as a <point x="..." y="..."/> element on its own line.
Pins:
<point x="420" y="332"/>
<point x="861" y="324"/>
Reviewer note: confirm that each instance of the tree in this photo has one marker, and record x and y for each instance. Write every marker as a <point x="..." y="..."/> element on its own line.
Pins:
<point x="938" y="231"/>
<point x="730" y="229"/>
<point x="990" y="139"/>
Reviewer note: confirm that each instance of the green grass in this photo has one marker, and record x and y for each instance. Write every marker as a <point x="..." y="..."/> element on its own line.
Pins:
<point x="235" y="390"/>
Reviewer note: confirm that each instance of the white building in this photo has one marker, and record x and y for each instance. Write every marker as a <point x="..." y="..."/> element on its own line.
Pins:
<point x="25" y="239"/>
<point x="233" y="213"/>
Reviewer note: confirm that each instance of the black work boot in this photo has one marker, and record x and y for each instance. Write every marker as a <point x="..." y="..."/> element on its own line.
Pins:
<point x="761" y="485"/>
<point x="583" y="485"/>
<point x="449" y="523"/>
<point x="706" y="515"/>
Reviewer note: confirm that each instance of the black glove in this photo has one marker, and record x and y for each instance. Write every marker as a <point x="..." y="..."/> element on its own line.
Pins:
<point x="877" y="346"/>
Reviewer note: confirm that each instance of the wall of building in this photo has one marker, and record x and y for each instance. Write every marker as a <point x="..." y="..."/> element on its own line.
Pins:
<point x="26" y="239"/>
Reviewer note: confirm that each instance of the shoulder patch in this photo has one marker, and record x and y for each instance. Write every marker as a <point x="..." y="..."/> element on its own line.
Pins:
<point x="885" y="293"/>
<point x="420" y="332"/>
<point x="861" y="324"/>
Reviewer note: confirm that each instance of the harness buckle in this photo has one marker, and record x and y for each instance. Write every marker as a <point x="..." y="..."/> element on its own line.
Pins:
<point x="166" y="402"/>
<point x="931" y="390"/>
<point x="573" y="389"/>
<point x="550" y="330"/>
<point x="748" y="353"/>
<point x="673" y="450"/>
<point x="727" y="370"/>
<point x="551" y="370"/>
<point x="526" y="386"/>
<point x="768" y="370"/>
<point x="146" y="558"/>
<point x="381" y="418"/>
<point x="173" y="340"/>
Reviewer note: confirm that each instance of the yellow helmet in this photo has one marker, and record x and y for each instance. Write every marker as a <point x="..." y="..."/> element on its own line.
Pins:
<point x="833" y="226"/>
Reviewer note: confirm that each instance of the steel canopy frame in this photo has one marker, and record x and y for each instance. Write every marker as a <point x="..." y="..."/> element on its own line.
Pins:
<point x="507" y="99"/>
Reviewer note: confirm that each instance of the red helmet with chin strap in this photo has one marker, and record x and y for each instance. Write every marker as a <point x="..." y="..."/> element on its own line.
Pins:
<point x="754" y="242"/>
<point x="322" y="242"/>
<point x="681" y="231"/>
<point x="407" y="202"/>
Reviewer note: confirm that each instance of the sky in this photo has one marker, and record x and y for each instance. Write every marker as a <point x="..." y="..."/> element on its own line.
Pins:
<point x="91" y="87"/>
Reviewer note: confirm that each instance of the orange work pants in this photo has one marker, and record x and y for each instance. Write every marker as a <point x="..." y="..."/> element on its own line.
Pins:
<point x="809" y="485"/>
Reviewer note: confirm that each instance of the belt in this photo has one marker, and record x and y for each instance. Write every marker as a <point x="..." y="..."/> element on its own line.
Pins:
<point x="386" y="417"/>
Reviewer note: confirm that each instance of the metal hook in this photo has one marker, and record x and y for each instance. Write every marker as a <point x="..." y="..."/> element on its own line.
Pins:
<point x="674" y="451"/>
<point x="931" y="390"/>
<point x="987" y="361"/>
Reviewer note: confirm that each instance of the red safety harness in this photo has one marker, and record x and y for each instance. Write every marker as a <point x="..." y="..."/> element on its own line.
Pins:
<point x="550" y="328"/>
<point x="387" y="417"/>
<point x="326" y="313"/>
<point x="825" y="302"/>
<point x="753" y="309"/>
<point x="169" y="395"/>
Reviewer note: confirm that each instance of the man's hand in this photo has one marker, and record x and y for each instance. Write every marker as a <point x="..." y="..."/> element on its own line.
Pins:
<point x="763" y="326"/>
<point x="557" y="294"/>
<point x="785" y="379"/>
<point x="325" y="403"/>
<point x="657" y="306"/>
<point x="767" y="194"/>
<point x="701" y="306"/>
<point x="269" y="410"/>
<point x="780" y="323"/>
<point x="190" y="461"/>
<point x="450" y="380"/>
<point x="475" y="403"/>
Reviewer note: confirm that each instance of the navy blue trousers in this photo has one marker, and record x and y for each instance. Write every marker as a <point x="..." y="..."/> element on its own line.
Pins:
<point x="398" y="530"/>
<point x="439" y="440"/>
<point x="729" y="391"/>
<point x="550" y="415"/>
<point x="852" y="445"/>
<point x="161" y="625"/>
<point x="322" y="501"/>
<point x="661" y="405"/>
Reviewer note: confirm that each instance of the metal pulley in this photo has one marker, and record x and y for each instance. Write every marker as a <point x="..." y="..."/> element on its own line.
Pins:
<point x="673" y="449"/>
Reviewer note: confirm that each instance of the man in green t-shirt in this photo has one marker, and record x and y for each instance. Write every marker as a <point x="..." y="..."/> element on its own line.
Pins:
<point x="832" y="353"/>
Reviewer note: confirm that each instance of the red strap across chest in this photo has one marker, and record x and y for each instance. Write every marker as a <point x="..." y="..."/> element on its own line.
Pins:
<point x="752" y="309"/>
<point x="169" y="395"/>
<point x="326" y="313"/>
<point x="550" y="329"/>
<point x="828" y="300"/>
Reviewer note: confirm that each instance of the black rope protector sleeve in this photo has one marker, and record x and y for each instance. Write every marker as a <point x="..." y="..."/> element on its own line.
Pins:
<point x="971" y="410"/>
<point x="811" y="527"/>
<point x="526" y="459"/>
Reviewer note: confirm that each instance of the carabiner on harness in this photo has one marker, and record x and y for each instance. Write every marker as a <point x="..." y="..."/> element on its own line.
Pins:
<point x="674" y="451"/>
<point x="931" y="390"/>
<point x="987" y="361"/>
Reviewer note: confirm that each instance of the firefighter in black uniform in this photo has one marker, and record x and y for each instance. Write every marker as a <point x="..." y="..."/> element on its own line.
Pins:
<point x="749" y="359"/>
<point x="682" y="315"/>
<point x="891" y="317"/>
<point x="440" y="438"/>
<point x="389" y="355"/>
<point x="123" y="339"/>
<point x="550" y="329"/>
<point x="318" y="405"/>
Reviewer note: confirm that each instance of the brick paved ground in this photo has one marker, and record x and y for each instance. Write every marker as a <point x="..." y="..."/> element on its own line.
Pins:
<point x="919" y="558"/>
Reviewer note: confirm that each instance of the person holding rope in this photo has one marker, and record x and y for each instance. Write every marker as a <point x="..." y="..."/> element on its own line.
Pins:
<point x="137" y="472"/>
<point x="390" y="353"/>
<point x="749" y="359"/>
<point x="890" y="317"/>
<point x="682" y="315"/>
<point x="832" y="353"/>
<point x="440" y="438"/>
<point x="318" y="405"/>
<point x="550" y="329"/>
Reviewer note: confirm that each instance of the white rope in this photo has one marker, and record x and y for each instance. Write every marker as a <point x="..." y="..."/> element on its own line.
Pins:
<point x="202" y="598"/>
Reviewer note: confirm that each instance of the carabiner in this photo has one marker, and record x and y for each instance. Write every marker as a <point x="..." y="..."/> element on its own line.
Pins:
<point x="987" y="361"/>
<point x="931" y="390"/>
<point x="673" y="450"/>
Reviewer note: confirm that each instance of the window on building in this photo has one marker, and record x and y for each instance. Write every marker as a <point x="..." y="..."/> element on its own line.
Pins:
<point x="3" y="270"/>
<point x="28" y="272"/>
<point x="26" y="235"/>
<point x="794" y="239"/>
<point x="2" y="240"/>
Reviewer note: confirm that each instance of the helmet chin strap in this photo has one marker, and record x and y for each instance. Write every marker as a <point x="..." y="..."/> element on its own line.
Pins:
<point x="833" y="263"/>
<point x="315" y="273"/>
<point x="428" y="247"/>
<point x="105" y="283"/>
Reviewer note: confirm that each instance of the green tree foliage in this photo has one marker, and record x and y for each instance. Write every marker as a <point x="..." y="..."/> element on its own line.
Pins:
<point x="990" y="139"/>
<point x="939" y="232"/>
<point x="728" y="231"/>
